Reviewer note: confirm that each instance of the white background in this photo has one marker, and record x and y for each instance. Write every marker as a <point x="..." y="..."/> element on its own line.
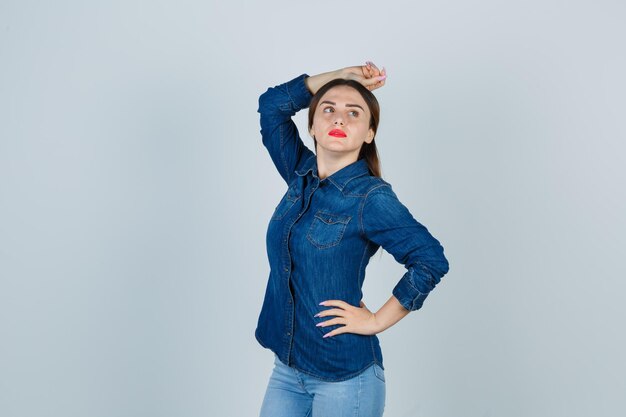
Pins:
<point x="135" y="195"/>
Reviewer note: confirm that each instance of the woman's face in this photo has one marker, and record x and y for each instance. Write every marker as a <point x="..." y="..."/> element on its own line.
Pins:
<point x="341" y="121"/>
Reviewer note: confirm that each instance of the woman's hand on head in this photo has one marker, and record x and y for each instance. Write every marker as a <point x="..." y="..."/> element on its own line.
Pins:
<point x="368" y="75"/>
<point x="359" y="320"/>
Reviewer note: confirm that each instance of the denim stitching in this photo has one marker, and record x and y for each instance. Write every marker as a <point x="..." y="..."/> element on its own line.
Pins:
<point x="379" y="374"/>
<point x="300" y="171"/>
<point x="342" y="186"/>
<point x="358" y="397"/>
<point x="335" y="184"/>
<point x="282" y="153"/>
<point x="362" y="206"/>
<point x="287" y="202"/>
<point x="335" y="242"/>
<point x="299" y="378"/>
<point x="409" y="280"/>
<point x="356" y="176"/>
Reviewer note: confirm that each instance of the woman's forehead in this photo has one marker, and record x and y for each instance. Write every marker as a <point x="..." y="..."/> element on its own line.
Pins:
<point x="343" y="94"/>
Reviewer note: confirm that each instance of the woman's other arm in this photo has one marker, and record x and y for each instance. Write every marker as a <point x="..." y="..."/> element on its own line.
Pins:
<point x="388" y="223"/>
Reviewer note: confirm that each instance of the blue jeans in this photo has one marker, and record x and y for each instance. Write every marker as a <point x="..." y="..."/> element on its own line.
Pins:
<point x="291" y="393"/>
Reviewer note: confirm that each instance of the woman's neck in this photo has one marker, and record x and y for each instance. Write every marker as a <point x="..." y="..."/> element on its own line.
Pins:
<point x="327" y="165"/>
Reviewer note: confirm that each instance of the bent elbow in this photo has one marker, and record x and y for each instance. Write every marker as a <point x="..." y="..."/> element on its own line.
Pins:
<point x="264" y="100"/>
<point x="436" y="264"/>
<point x="443" y="266"/>
<point x="434" y="269"/>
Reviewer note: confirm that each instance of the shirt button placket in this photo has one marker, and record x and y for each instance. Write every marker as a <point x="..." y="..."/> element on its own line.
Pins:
<point x="286" y="268"/>
<point x="288" y="333"/>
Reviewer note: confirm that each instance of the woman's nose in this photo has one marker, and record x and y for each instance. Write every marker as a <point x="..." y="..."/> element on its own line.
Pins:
<point x="338" y="120"/>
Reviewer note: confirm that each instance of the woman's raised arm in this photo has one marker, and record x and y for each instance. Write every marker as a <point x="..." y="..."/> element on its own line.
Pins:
<point x="369" y="75"/>
<point x="278" y="131"/>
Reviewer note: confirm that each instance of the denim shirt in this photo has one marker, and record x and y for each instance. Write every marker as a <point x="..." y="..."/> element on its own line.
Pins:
<point x="319" y="241"/>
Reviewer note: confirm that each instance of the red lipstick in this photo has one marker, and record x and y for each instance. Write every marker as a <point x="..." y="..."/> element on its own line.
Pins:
<point x="338" y="133"/>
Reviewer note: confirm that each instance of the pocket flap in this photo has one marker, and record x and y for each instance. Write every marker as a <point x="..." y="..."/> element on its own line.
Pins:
<point x="331" y="218"/>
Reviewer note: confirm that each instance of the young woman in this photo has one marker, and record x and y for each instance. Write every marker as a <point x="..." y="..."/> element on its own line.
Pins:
<point x="336" y="213"/>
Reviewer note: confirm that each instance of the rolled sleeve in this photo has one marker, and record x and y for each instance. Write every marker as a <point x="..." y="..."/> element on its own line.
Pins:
<point x="387" y="222"/>
<point x="286" y="98"/>
<point x="298" y="92"/>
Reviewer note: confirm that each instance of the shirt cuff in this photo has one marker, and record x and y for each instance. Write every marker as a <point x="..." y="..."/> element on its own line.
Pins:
<point x="298" y="92"/>
<point x="408" y="295"/>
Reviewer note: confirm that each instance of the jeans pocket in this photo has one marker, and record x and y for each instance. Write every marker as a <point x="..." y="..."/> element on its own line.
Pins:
<point x="379" y="372"/>
<point x="327" y="229"/>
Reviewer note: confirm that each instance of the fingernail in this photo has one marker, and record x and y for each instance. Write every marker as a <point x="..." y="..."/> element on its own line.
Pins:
<point x="317" y="315"/>
<point x="318" y="324"/>
<point x="326" y="335"/>
<point x="382" y="77"/>
<point x="322" y="303"/>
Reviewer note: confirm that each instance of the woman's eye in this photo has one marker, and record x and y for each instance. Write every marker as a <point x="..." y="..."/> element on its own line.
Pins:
<point x="328" y="110"/>
<point x="354" y="113"/>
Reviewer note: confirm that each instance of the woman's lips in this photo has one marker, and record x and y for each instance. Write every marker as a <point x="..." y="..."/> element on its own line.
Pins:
<point x="337" y="133"/>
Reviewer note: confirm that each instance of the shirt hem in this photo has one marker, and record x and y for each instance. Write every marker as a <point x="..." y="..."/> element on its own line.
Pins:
<point x="343" y="378"/>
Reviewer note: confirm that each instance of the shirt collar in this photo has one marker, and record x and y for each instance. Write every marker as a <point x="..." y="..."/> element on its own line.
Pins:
<point x="341" y="177"/>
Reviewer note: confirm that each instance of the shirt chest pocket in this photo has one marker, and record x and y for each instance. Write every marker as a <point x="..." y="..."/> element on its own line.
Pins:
<point x="289" y="199"/>
<point x="327" y="229"/>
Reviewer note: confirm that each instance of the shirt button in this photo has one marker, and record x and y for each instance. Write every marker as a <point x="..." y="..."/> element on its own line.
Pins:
<point x="286" y="269"/>
<point x="289" y="301"/>
<point x="288" y="333"/>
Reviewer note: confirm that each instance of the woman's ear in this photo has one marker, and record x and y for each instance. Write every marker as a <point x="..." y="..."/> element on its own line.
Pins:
<point x="370" y="136"/>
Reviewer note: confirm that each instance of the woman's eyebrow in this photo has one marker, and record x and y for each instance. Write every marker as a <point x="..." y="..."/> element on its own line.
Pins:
<point x="347" y="105"/>
<point x="355" y="105"/>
